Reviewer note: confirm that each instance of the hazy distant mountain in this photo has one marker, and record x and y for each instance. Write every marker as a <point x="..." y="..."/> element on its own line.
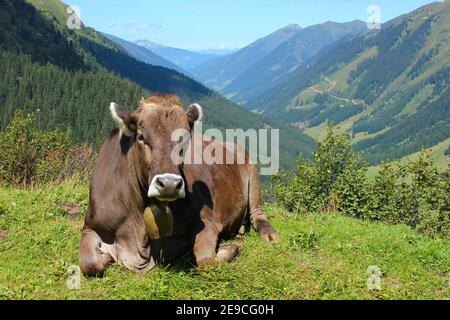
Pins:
<point x="185" y="59"/>
<point x="218" y="51"/>
<point x="143" y="54"/>
<point x="389" y="88"/>
<point x="288" y="56"/>
<point x="220" y="72"/>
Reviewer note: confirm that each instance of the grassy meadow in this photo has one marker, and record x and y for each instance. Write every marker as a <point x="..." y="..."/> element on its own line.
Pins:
<point x="320" y="256"/>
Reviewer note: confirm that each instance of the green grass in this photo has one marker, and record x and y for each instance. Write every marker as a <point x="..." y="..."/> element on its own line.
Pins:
<point x="440" y="160"/>
<point x="317" y="133"/>
<point x="321" y="256"/>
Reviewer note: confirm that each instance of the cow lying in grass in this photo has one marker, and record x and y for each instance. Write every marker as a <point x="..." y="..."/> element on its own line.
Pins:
<point x="146" y="207"/>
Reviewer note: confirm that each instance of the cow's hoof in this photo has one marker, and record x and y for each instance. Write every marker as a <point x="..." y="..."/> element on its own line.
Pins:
<point x="207" y="262"/>
<point x="93" y="270"/>
<point x="270" y="237"/>
<point x="227" y="253"/>
<point x="267" y="232"/>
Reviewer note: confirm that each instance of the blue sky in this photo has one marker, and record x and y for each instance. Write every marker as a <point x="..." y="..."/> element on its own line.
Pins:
<point x="203" y="24"/>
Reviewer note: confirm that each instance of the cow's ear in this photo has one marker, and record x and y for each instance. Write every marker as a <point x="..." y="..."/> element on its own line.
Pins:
<point x="194" y="113"/>
<point x="123" y="117"/>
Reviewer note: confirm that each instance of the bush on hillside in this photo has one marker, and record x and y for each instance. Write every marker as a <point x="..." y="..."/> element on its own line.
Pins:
<point x="29" y="156"/>
<point x="335" y="180"/>
<point x="321" y="184"/>
<point x="447" y="152"/>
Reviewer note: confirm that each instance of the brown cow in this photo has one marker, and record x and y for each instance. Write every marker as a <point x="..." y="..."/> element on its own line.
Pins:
<point x="136" y="182"/>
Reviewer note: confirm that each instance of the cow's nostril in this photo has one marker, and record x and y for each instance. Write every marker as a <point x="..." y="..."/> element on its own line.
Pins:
<point x="159" y="183"/>
<point x="179" y="185"/>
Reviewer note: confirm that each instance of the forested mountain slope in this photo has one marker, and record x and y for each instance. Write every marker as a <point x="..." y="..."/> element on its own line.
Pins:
<point x="389" y="88"/>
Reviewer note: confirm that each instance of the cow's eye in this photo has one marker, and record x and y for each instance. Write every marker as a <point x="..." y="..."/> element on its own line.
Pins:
<point x="140" y="137"/>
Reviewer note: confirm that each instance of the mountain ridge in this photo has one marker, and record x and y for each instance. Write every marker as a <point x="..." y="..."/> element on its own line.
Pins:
<point x="143" y="54"/>
<point x="185" y="59"/>
<point x="390" y="87"/>
<point x="219" y="72"/>
<point x="288" y="56"/>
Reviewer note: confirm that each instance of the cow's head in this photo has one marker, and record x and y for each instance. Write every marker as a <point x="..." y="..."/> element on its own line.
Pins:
<point x="150" y="129"/>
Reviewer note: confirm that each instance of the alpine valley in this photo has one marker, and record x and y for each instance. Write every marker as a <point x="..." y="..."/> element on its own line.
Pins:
<point x="388" y="88"/>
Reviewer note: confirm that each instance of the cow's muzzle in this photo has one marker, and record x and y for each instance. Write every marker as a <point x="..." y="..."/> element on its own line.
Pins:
<point x="167" y="187"/>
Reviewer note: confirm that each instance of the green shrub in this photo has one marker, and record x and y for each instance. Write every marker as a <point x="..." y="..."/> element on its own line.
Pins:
<point x="351" y="191"/>
<point x="447" y="151"/>
<point x="416" y="194"/>
<point x="29" y="156"/>
<point x="429" y="192"/>
<point x="327" y="183"/>
<point x="296" y="192"/>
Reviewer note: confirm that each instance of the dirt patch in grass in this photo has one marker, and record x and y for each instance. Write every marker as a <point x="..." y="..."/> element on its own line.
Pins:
<point x="3" y="233"/>
<point x="71" y="209"/>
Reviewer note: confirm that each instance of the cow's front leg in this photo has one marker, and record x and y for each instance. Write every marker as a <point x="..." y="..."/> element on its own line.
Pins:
<point x="205" y="245"/>
<point x="205" y="248"/>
